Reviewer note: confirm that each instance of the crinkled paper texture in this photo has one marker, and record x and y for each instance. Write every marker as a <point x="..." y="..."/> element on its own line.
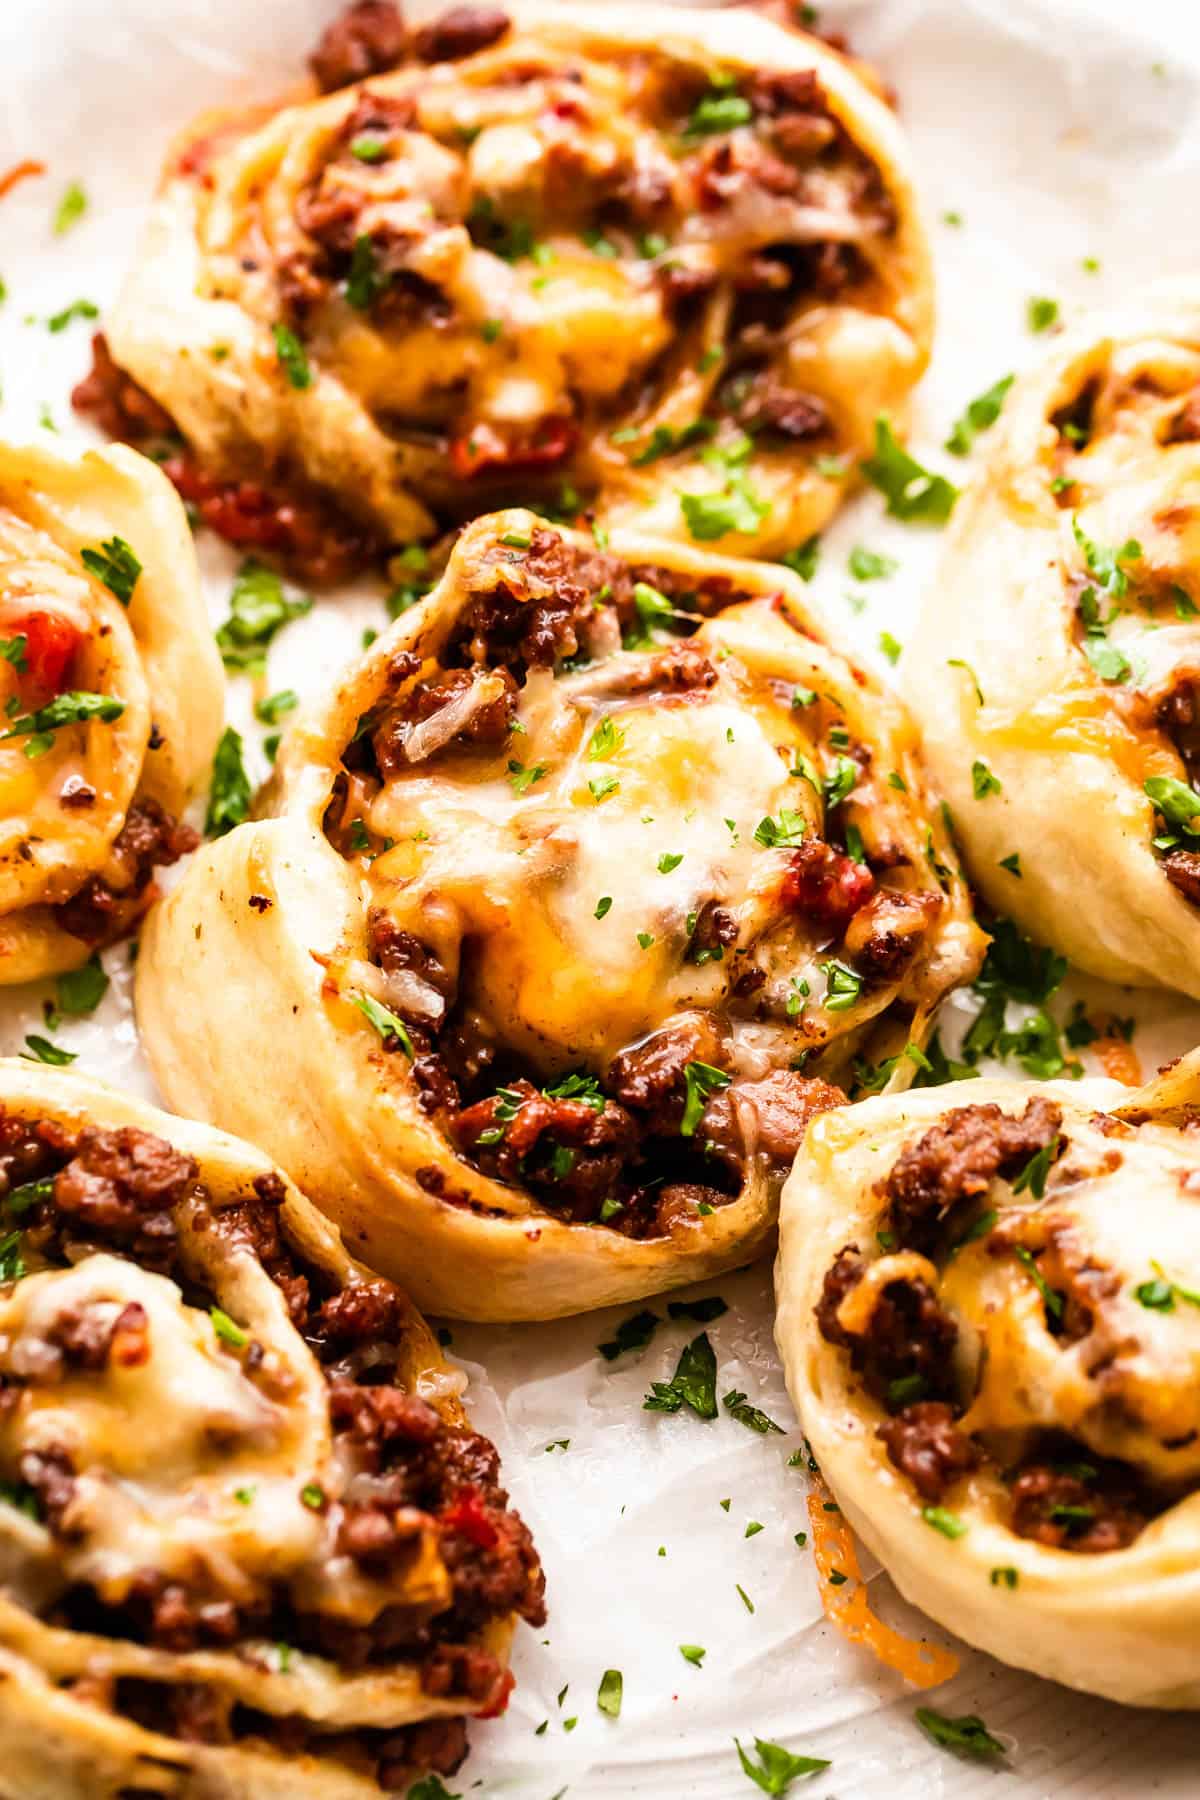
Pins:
<point x="1058" y="133"/>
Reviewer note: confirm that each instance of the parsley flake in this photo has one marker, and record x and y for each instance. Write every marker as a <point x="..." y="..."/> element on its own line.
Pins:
<point x="776" y="1767"/>
<point x="700" y="1080"/>
<point x="115" y="564"/>
<point x="293" y="358"/>
<point x="694" y="1383"/>
<point x="913" y="493"/>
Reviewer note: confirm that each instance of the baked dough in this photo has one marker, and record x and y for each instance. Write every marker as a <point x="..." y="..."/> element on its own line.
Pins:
<point x="113" y="695"/>
<point x="639" y="252"/>
<point x="584" y="825"/>
<point x="999" y="1376"/>
<point x="1069" y="598"/>
<point x="230" y="1568"/>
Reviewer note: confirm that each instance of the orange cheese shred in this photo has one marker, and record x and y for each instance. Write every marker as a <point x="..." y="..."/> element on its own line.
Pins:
<point x="1119" y="1060"/>
<point x="19" y="172"/>
<point x="846" y="1606"/>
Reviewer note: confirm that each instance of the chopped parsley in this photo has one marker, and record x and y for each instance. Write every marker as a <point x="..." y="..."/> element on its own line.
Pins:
<point x="751" y="1417"/>
<point x="869" y="565"/>
<point x="313" y="1496"/>
<point x="40" y="1049"/>
<point x="747" y="1602"/>
<point x="78" y="309"/>
<point x="633" y="1333"/>
<point x="1012" y="863"/>
<point x="968" y="1734"/>
<point x="702" y="1311"/>
<point x="605" y="741"/>
<point x="645" y="939"/>
<point x="981" y="413"/>
<point x="948" y="1523"/>
<point x="693" y="1653"/>
<point x="1041" y="313"/>
<point x="843" y="986"/>
<point x="12" y="1263"/>
<point x="1109" y="663"/>
<point x="737" y="508"/>
<point x="365" y="281"/>
<point x="1107" y="566"/>
<point x="983" y="781"/>
<point x="664" y="440"/>
<point x="891" y="648"/>
<point x="601" y="786"/>
<point x="276" y="706"/>
<point x="293" y="358"/>
<point x="229" y="792"/>
<point x="227" y="1330"/>
<point x="717" y="113"/>
<point x="258" y="609"/>
<point x="652" y="608"/>
<point x="603" y="906"/>
<point x="956" y="662"/>
<point x="803" y="560"/>
<point x="1161" y="1294"/>
<point x="669" y="860"/>
<point x="700" y="1080"/>
<point x="781" y="834"/>
<point x="694" y="1383"/>
<point x="610" y="1693"/>
<point x="1176" y="801"/>
<point x="81" y="990"/>
<point x="385" y="1022"/>
<point x="368" y="147"/>
<point x="913" y="493"/>
<point x="776" y="1767"/>
<point x="1053" y="1302"/>
<point x="1033" y="1175"/>
<point x="839" y="784"/>
<point x="1004" y="1577"/>
<point x="522" y="779"/>
<point x="70" y="210"/>
<point x="115" y="564"/>
<point x="74" y="708"/>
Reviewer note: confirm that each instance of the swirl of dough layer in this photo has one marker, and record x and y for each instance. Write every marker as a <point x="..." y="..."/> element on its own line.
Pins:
<point x="1056" y="670"/>
<point x="634" y="253"/>
<point x="112" y="692"/>
<point x="247" y="1537"/>
<point x="989" y="1315"/>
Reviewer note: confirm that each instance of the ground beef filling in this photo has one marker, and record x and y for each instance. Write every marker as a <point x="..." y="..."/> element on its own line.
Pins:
<point x="108" y="906"/>
<point x="1062" y="1495"/>
<point x="608" y="1146"/>
<point x="956" y="1160"/>
<point x="70" y="1192"/>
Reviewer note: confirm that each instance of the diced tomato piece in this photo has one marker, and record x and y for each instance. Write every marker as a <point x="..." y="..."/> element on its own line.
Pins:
<point x="498" y="1702"/>
<point x="825" y="885"/>
<point x="51" y="645"/>
<point x="483" y="447"/>
<point x="467" y="1515"/>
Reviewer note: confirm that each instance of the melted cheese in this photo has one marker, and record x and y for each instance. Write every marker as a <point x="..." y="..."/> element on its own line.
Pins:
<point x="521" y="875"/>
<point x="161" y="1448"/>
<point x="47" y="849"/>
<point x="1131" y="1387"/>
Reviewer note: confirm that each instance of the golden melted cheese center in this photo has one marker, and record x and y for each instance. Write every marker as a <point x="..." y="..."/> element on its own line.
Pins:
<point x="62" y="631"/>
<point x="161" y="1447"/>
<point x="1121" y="1376"/>
<point x="571" y="881"/>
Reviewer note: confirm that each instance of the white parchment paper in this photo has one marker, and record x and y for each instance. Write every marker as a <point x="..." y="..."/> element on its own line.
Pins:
<point x="1056" y="134"/>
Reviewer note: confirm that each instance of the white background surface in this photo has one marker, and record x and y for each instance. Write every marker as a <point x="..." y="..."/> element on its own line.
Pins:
<point x="1058" y="132"/>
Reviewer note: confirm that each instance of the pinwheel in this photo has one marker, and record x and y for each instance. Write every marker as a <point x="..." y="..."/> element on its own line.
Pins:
<point x="583" y="890"/>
